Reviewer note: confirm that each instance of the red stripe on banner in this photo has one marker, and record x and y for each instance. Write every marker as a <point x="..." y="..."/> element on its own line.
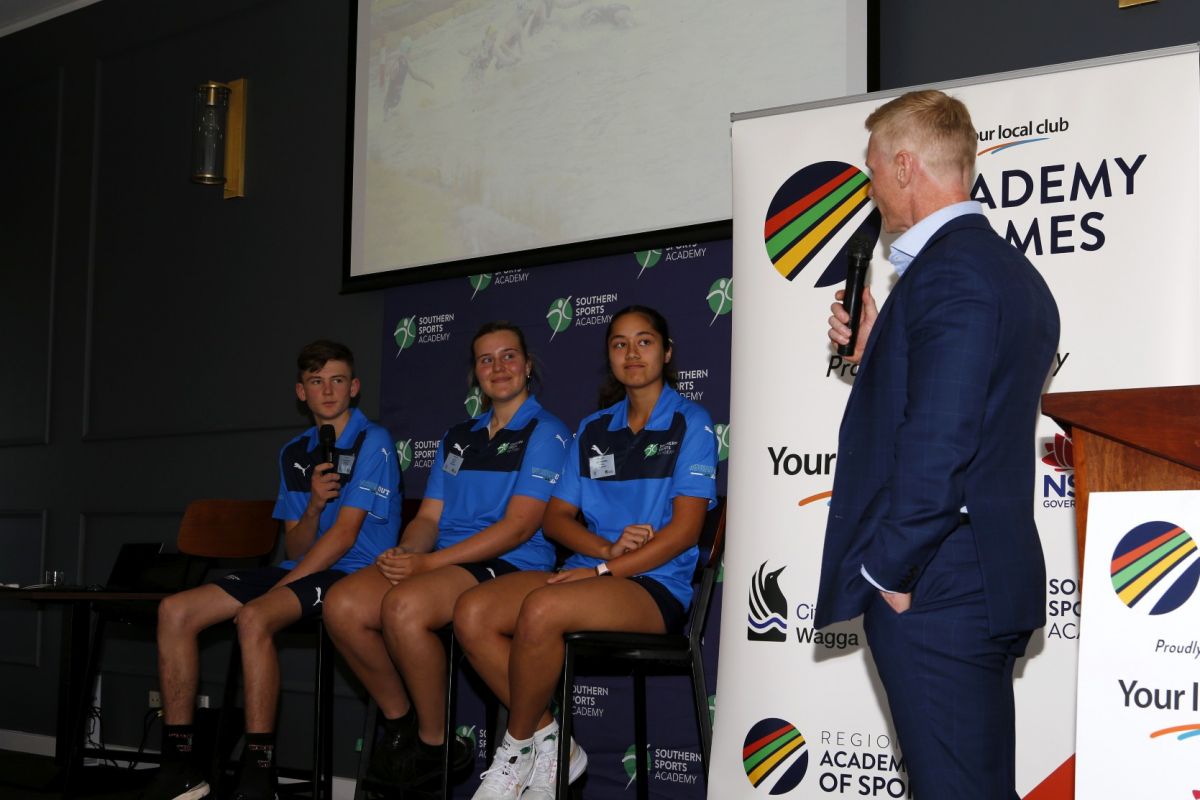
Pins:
<point x="753" y="747"/>
<point x="1119" y="564"/>
<point x="795" y="209"/>
<point x="1058" y="785"/>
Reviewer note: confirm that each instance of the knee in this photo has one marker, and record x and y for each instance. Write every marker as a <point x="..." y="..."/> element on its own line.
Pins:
<point x="472" y="622"/>
<point x="253" y="624"/>
<point x="539" y="618"/>
<point x="342" y="611"/>
<point x="175" y="616"/>
<point x="402" y="610"/>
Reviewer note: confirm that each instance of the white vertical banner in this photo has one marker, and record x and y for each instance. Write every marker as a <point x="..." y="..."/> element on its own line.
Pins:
<point x="1139" y="658"/>
<point x="1091" y="169"/>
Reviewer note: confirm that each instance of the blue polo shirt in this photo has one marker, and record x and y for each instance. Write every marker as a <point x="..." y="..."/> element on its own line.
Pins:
<point x="674" y="455"/>
<point x="525" y="457"/>
<point x="365" y="459"/>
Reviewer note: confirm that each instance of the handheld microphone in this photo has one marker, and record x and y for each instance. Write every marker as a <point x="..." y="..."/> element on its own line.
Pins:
<point x="858" y="254"/>
<point x="326" y="437"/>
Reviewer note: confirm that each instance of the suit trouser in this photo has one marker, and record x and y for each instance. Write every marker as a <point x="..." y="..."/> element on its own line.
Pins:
<point x="948" y="682"/>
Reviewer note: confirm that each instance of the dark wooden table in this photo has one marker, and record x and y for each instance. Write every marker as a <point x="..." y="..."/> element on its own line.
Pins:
<point x="74" y="653"/>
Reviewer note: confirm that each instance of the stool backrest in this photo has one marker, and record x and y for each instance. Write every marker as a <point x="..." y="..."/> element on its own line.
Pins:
<point x="228" y="529"/>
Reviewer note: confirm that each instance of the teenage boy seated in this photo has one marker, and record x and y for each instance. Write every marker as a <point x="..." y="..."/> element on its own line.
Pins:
<point x="338" y="514"/>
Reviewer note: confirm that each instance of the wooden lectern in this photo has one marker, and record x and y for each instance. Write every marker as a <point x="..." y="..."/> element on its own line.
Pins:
<point x="1129" y="440"/>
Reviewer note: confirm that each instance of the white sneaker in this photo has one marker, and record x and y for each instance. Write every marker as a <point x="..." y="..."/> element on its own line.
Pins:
<point x="512" y="766"/>
<point x="543" y="781"/>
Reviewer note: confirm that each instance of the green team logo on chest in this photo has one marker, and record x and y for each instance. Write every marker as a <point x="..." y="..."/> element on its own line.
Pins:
<point x="651" y="450"/>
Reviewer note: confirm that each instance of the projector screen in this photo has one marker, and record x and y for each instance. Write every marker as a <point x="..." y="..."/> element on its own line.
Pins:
<point x="491" y="128"/>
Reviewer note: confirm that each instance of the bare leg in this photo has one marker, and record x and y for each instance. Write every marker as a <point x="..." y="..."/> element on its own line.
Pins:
<point x="484" y="621"/>
<point x="181" y="617"/>
<point x="353" y="620"/>
<point x="598" y="604"/>
<point x="257" y="623"/>
<point x="412" y="613"/>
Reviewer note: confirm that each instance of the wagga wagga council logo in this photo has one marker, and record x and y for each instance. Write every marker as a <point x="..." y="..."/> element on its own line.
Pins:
<point x="1155" y="567"/>
<point x="809" y="210"/>
<point x="775" y="756"/>
<point x="767" y="620"/>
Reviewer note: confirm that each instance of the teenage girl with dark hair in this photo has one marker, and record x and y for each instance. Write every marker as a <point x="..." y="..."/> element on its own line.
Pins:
<point x="642" y="472"/>
<point x="479" y="519"/>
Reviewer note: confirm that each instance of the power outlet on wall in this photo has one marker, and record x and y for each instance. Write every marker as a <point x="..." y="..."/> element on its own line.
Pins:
<point x="155" y="699"/>
<point x="202" y="701"/>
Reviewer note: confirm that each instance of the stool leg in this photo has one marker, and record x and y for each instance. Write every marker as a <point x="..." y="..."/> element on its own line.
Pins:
<point x="322" y="718"/>
<point x="700" y="692"/>
<point x="565" y="727"/>
<point x="451" y="657"/>
<point x="368" y="747"/>
<point x="639" y="735"/>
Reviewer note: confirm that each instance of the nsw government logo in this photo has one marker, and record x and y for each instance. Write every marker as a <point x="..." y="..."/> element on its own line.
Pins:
<point x="775" y="756"/>
<point x="1058" y="488"/>
<point x="1155" y="567"/>
<point x="767" y="620"/>
<point x="813" y="208"/>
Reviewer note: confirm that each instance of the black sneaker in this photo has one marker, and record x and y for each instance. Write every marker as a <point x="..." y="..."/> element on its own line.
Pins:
<point x="386" y="759"/>
<point x="423" y="765"/>
<point x="257" y="792"/>
<point x="176" y="781"/>
<point x="257" y="784"/>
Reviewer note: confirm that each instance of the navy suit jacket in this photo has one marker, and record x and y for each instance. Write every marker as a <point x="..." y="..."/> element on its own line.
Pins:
<point x="942" y="416"/>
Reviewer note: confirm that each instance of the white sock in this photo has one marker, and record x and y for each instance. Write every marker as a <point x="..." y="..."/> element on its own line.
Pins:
<point x="551" y="727"/>
<point x="517" y="743"/>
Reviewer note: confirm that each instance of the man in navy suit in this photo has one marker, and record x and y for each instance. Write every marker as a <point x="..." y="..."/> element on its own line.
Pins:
<point x="931" y="533"/>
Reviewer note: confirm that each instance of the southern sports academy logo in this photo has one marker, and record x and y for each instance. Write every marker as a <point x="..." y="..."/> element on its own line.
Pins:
<point x="767" y="620"/>
<point x="775" y="756"/>
<point x="810" y="210"/>
<point x="1155" y="567"/>
<point x="404" y="453"/>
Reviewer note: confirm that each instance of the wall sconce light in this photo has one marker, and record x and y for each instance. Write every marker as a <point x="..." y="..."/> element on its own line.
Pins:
<point x="219" y="136"/>
<point x="1132" y="3"/>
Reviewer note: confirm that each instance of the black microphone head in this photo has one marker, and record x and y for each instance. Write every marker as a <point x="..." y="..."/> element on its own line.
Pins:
<point x="327" y="438"/>
<point x="326" y="435"/>
<point x="860" y="247"/>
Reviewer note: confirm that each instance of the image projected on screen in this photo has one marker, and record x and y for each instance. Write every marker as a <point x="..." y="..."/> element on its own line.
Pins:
<point x="485" y="127"/>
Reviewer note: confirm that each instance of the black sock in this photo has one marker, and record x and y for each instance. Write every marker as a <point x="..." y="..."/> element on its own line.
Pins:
<point x="405" y="721"/>
<point x="259" y="755"/>
<point x="177" y="743"/>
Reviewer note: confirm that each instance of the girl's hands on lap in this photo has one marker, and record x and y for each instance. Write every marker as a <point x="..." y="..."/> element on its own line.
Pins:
<point x="633" y="537"/>
<point x="571" y="575"/>
<point x="396" y="565"/>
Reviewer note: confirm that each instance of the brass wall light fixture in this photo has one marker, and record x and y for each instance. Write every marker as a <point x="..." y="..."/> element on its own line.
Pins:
<point x="219" y="136"/>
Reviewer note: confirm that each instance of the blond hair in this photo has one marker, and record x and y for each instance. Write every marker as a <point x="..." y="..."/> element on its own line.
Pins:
<point x="934" y="125"/>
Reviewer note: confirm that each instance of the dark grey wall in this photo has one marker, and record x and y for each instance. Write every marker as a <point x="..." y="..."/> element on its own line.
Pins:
<point x="926" y="41"/>
<point x="150" y="325"/>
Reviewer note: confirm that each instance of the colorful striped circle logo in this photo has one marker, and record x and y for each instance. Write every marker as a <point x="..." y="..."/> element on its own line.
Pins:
<point x="775" y="756"/>
<point x="811" y="209"/>
<point x="1155" y="567"/>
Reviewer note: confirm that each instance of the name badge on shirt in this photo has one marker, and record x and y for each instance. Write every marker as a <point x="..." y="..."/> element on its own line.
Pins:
<point x="452" y="464"/>
<point x="602" y="466"/>
<point x="345" y="464"/>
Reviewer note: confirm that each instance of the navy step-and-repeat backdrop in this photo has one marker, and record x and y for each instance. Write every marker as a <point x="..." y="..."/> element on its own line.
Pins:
<point x="563" y="310"/>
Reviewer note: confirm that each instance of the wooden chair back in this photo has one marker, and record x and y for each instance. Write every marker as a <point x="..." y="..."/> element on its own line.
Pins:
<point x="228" y="529"/>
